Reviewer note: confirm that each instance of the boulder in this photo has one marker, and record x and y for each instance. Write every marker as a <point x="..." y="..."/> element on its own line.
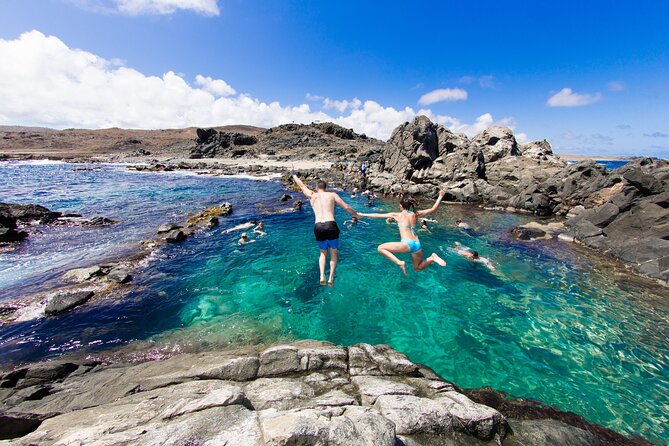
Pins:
<point x="175" y="236"/>
<point x="82" y="274"/>
<point x="63" y="302"/>
<point x="119" y="275"/>
<point x="9" y="235"/>
<point x="415" y="415"/>
<point x="496" y="142"/>
<point x="525" y="233"/>
<point x="167" y="227"/>
<point x="538" y="150"/>
<point x="297" y="205"/>
<point x="26" y="213"/>
<point x="285" y="197"/>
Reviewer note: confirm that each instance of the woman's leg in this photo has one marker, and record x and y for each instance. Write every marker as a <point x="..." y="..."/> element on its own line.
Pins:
<point x="387" y="250"/>
<point x="419" y="264"/>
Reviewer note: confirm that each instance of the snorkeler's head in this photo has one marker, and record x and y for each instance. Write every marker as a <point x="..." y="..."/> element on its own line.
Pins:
<point x="244" y="235"/>
<point x="475" y="254"/>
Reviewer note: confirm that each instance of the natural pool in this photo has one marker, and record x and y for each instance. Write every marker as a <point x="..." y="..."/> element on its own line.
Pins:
<point x="553" y="323"/>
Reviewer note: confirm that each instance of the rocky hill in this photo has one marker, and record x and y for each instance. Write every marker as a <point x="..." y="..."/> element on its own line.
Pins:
<point x="624" y="212"/>
<point x="325" y="141"/>
<point x="290" y="141"/>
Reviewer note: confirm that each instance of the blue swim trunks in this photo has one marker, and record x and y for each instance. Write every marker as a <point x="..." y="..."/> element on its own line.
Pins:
<point x="327" y="235"/>
<point x="327" y="244"/>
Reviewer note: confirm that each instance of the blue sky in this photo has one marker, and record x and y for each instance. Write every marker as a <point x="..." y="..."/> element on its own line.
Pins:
<point x="591" y="77"/>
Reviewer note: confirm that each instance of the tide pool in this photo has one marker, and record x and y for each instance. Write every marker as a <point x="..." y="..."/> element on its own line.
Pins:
<point x="553" y="323"/>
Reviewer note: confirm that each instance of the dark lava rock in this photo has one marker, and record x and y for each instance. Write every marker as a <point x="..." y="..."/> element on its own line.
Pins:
<point x="175" y="236"/>
<point x="167" y="227"/>
<point x="99" y="221"/>
<point x="212" y="222"/>
<point x="15" y="425"/>
<point x="63" y="302"/>
<point x="297" y="204"/>
<point x="647" y="184"/>
<point x="26" y="213"/>
<point x="285" y="197"/>
<point x="524" y="233"/>
<point x="12" y="235"/>
<point x="119" y="275"/>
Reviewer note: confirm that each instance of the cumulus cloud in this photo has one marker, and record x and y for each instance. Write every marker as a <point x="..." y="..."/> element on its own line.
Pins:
<point x="159" y="7"/>
<point x="569" y="98"/>
<point x="217" y="87"/>
<point x="615" y="86"/>
<point x="50" y="84"/>
<point x="342" y="105"/>
<point x="443" y="94"/>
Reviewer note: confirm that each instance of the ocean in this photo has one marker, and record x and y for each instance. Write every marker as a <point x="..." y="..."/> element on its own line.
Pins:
<point x="554" y="322"/>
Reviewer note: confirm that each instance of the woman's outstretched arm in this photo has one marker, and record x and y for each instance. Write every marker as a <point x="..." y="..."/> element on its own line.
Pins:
<point x="434" y="207"/>
<point x="386" y="215"/>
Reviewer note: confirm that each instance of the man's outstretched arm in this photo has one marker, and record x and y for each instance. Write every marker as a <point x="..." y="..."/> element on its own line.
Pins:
<point x="305" y="190"/>
<point x="345" y="205"/>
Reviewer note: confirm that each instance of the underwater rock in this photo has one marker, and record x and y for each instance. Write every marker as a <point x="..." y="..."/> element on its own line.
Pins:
<point x="63" y="302"/>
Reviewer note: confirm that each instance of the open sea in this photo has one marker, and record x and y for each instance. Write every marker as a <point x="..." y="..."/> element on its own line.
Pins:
<point x="554" y="322"/>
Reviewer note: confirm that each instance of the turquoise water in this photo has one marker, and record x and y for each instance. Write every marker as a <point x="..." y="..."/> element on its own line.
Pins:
<point x="553" y="323"/>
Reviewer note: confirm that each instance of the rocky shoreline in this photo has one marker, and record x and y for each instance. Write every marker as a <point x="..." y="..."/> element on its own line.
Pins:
<point x="306" y="392"/>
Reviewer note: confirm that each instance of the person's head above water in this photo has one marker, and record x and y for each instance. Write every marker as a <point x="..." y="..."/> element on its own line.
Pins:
<point x="244" y="235"/>
<point x="423" y="223"/>
<point x="321" y="185"/>
<point x="261" y="223"/>
<point x="408" y="203"/>
<point x="475" y="254"/>
<point x="458" y="221"/>
<point x="354" y="219"/>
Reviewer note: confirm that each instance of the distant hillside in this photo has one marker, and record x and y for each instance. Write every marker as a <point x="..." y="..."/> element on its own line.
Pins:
<point x="115" y="144"/>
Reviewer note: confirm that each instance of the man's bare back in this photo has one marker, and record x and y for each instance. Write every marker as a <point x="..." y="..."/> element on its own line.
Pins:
<point x="323" y="204"/>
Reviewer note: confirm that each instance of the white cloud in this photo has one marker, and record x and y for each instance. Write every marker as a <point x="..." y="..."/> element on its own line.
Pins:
<point x="487" y="81"/>
<point x="568" y="98"/>
<point x="443" y="94"/>
<point x="313" y="97"/>
<point x="217" y="87"/>
<point x="160" y="7"/>
<point x="49" y="84"/>
<point x="616" y="86"/>
<point x="342" y="105"/>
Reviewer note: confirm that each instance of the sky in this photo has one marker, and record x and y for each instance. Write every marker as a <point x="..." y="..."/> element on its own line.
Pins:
<point x="591" y="77"/>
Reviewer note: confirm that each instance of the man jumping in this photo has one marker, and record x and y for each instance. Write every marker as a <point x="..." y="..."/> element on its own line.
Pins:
<point x="325" y="228"/>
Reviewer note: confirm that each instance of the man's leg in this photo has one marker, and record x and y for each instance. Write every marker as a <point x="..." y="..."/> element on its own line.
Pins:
<point x="334" y="258"/>
<point x="321" y="265"/>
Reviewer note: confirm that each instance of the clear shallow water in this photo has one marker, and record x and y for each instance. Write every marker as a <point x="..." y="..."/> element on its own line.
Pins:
<point x="552" y="324"/>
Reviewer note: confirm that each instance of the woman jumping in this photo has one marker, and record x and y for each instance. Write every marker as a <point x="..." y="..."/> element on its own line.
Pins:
<point x="406" y="220"/>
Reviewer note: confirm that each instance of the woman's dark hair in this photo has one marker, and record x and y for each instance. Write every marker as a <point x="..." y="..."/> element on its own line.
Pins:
<point x="408" y="202"/>
<point x="475" y="254"/>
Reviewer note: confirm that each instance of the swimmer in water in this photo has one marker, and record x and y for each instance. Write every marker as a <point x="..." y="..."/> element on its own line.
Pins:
<point x="474" y="256"/>
<point x="462" y="225"/>
<point x="354" y="221"/>
<point x="406" y="219"/>
<point x="424" y="227"/>
<point x="260" y="229"/>
<point x="244" y="239"/>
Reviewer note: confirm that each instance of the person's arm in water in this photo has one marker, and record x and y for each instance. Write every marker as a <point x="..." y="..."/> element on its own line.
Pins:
<point x="305" y="190"/>
<point x="434" y="207"/>
<point x="345" y="205"/>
